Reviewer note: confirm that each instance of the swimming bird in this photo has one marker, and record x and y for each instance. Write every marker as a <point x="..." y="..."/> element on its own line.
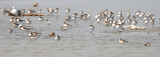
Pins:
<point x="23" y="28"/>
<point x="35" y="4"/>
<point x="40" y="18"/>
<point x="52" y="34"/>
<point x="68" y="10"/>
<point x="68" y="17"/>
<point x="3" y="11"/>
<point x="12" y="19"/>
<point x="122" y="41"/>
<point x="10" y="30"/>
<point x="40" y="11"/>
<point x="50" y="10"/>
<point x="66" y="25"/>
<point x="19" y="20"/>
<point x="27" y="21"/>
<point x="63" y="28"/>
<point x="92" y="27"/>
<point x="48" y="21"/>
<point x="106" y="23"/>
<point x="15" y="24"/>
<point x="147" y="44"/>
<point x="57" y="37"/>
<point x="81" y="12"/>
<point x="56" y="10"/>
<point x="128" y="14"/>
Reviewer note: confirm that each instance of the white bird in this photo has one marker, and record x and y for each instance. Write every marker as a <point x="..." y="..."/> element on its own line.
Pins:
<point x="14" y="11"/>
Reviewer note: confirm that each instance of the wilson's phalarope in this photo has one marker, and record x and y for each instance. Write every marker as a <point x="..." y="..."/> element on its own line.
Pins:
<point x="40" y="11"/>
<point x="66" y="25"/>
<point x="128" y="14"/>
<point x="19" y="20"/>
<point x="67" y="10"/>
<point x="10" y="30"/>
<point x="27" y="21"/>
<point x="68" y="17"/>
<point x="3" y="11"/>
<point x="40" y="18"/>
<point x="122" y="41"/>
<point x="52" y="34"/>
<point x="15" y="24"/>
<point x="56" y="10"/>
<point x="57" y="37"/>
<point x="48" y="21"/>
<point x="35" y="4"/>
<point x="92" y="27"/>
<point x="12" y="19"/>
<point x="147" y="44"/>
<point x="23" y="28"/>
<point x="63" y="28"/>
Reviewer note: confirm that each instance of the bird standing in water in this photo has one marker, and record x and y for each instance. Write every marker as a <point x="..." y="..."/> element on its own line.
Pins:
<point x="92" y="29"/>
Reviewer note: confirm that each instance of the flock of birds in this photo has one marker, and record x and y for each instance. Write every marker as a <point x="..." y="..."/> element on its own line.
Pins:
<point x="108" y="17"/>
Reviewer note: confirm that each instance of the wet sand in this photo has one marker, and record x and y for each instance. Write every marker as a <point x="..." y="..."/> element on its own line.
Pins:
<point x="77" y="41"/>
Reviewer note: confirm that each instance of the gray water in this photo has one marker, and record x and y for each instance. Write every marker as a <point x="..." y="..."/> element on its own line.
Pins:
<point x="77" y="41"/>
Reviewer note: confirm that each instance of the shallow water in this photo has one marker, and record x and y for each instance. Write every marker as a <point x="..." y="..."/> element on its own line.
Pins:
<point x="77" y="41"/>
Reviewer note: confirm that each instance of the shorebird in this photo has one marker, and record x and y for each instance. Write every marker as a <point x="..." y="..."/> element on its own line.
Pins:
<point x="68" y="17"/>
<point x="27" y="21"/>
<point x="31" y="11"/>
<point x="56" y="10"/>
<point x="134" y="22"/>
<point x="40" y="11"/>
<point x="128" y="14"/>
<point x="52" y="34"/>
<point x="67" y="10"/>
<point x="63" y="28"/>
<point x="10" y="30"/>
<point x="114" y="24"/>
<point x="40" y="18"/>
<point x="88" y="15"/>
<point x="3" y="11"/>
<point x="22" y="11"/>
<point x="119" y="14"/>
<point x="96" y="17"/>
<point x="122" y="41"/>
<point x="48" y="21"/>
<point x="23" y="28"/>
<point x="92" y="27"/>
<point x="66" y="25"/>
<point x="81" y="12"/>
<point x="98" y="20"/>
<point x="147" y="44"/>
<point x="50" y="10"/>
<point x="15" y="24"/>
<point x="106" y="23"/>
<point x="33" y="33"/>
<point x="35" y="4"/>
<point x="19" y="20"/>
<point x="12" y="19"/>
<point x="57" y="37"/>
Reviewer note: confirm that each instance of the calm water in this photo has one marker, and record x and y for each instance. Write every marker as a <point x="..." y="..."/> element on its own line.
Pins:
<point x="77" y="41"/>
